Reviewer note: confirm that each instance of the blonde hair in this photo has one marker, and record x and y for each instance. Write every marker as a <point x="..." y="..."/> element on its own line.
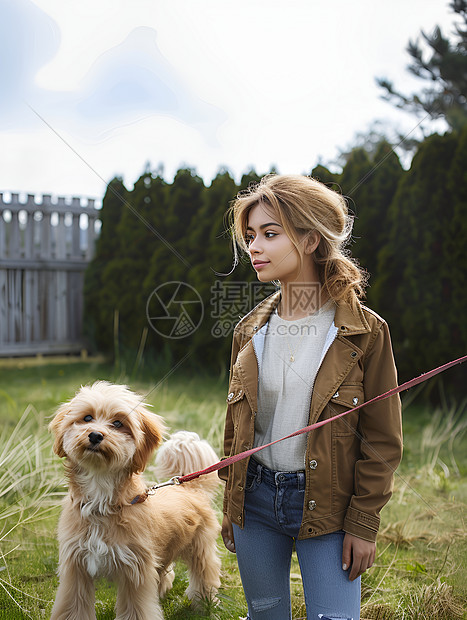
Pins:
<point x="303" y="205"/>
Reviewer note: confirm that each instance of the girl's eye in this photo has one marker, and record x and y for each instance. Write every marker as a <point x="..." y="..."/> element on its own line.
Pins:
<point x="117" y="424"/>
<point x="87" y="418"/>
<point x="250" y="238"/>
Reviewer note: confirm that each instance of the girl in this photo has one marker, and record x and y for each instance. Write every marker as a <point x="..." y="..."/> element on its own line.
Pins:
<point x="306" y="353"/>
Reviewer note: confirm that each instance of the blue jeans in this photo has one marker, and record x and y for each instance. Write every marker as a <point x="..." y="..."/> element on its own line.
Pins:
<point x="273" y="514"/>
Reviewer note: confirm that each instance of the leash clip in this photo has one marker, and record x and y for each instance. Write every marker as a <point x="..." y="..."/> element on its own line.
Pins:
<point x="152" y="490"/>
<point x="173" y="481"/>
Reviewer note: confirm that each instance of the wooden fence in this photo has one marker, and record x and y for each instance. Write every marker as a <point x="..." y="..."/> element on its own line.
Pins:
<point x="44" y="249"/>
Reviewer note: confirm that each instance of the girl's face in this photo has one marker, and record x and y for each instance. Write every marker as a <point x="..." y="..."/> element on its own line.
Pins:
<point x="272" y="253"/>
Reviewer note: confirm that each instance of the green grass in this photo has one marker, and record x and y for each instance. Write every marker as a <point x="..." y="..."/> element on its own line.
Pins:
<point x="422" y="551"/>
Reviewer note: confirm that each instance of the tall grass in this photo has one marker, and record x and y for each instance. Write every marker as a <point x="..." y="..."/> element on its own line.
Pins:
<point x="30" y="482"/>
<point x="448" y="426"/>
<point x="422" y="547"/>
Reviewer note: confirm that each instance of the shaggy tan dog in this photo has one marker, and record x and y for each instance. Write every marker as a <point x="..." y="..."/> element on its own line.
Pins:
<point x="107" y="436"/>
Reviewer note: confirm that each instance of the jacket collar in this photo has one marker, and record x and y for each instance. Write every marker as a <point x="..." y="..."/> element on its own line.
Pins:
<point x="259" y="316"/>
<point x="348" y="321"/>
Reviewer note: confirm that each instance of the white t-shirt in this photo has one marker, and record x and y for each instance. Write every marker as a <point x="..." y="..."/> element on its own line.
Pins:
<point x="290" y="361"/>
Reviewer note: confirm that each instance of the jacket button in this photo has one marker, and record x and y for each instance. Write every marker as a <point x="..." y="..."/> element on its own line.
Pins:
<point x="239" y="518"/>
<point x="353" y="354"/>
<point x="343" y="328"/>
<point x="313" y="464"/>
<point x="311" y="505"/>
<point x="355" y="400"/>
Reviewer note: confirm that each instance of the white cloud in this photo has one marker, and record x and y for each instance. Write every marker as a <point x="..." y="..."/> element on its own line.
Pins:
<point x="207" y="83"/>
<point x="28" y="39"/>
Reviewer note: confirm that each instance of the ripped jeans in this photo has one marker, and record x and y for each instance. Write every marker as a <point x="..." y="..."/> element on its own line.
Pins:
<point x="273" y="514"/>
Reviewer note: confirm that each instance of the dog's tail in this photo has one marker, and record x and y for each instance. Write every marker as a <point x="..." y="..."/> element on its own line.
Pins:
<point x="185" y="453"/>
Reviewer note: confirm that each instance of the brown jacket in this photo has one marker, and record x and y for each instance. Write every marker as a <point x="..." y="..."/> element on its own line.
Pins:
<point x="351" y="461"/>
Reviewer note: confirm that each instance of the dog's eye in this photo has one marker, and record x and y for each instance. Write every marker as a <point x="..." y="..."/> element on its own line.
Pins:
<point x="87" y="418"/>
<point x="117" y="424"/>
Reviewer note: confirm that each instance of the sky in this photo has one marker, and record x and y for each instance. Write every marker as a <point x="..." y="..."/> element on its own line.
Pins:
<point x="98" y="88"/>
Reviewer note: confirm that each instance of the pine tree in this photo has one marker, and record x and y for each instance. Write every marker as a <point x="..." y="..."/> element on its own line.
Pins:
<point x="139" y="232"/>
<point x="185" y="199"/>
<point x="248" y="178"/>
<point x="414" y="292"/>
<point x="456" y="258"/>
<point x="98" y="314"/>
<point x="354" y="187"/>
<point x="324" y="175"/>
<point x="371" y="230"/>
<point x="370" y="183"/>
<point x="214" y="246"/>
<point x="173" y="260"/>
<point x="444" y="68"/>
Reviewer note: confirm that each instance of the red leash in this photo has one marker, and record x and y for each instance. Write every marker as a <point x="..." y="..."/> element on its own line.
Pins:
<point x="243" y="455"/>
<point x="400" y="388"/>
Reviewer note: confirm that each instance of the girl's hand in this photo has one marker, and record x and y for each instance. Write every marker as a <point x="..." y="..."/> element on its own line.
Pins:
<point x="358" y="554"/>
<point x="227" y="534"/>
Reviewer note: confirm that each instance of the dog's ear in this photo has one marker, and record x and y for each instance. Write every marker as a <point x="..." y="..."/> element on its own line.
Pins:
<point x="153" y="429"/>
<point x="55" y="427"/>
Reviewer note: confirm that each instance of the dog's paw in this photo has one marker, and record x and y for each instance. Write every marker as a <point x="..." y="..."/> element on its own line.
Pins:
<point x="202" y="603"/>
<point x="166" y="580"/>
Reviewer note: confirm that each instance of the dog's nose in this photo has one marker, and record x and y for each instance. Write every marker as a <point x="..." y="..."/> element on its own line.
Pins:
<point x="95" y="438"/>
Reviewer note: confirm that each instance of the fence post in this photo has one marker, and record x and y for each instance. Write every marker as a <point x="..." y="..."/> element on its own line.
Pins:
<point x="42" y="265"/>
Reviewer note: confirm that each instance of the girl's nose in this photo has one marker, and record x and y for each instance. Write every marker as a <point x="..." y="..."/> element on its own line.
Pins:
<point x="254" y="247"/>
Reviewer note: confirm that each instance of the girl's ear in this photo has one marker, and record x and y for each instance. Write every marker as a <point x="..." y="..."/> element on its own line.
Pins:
<point x="153" y="429"/>
<point x="311" y="241"/>
<point x="56" y="428"/>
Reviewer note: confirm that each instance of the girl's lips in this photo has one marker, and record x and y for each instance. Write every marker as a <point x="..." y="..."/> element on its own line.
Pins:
<point x="260" y="264"/>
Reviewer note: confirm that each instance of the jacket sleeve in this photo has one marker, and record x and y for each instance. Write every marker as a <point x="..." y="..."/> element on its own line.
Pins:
<point x="380" y="427"/>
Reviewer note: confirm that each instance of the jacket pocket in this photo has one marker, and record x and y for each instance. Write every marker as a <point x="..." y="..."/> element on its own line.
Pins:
<point x="345" y="443"/>
<point x="345" y="454"/>
<point x="347" y="396"/>
<point x="240" y="413"/>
